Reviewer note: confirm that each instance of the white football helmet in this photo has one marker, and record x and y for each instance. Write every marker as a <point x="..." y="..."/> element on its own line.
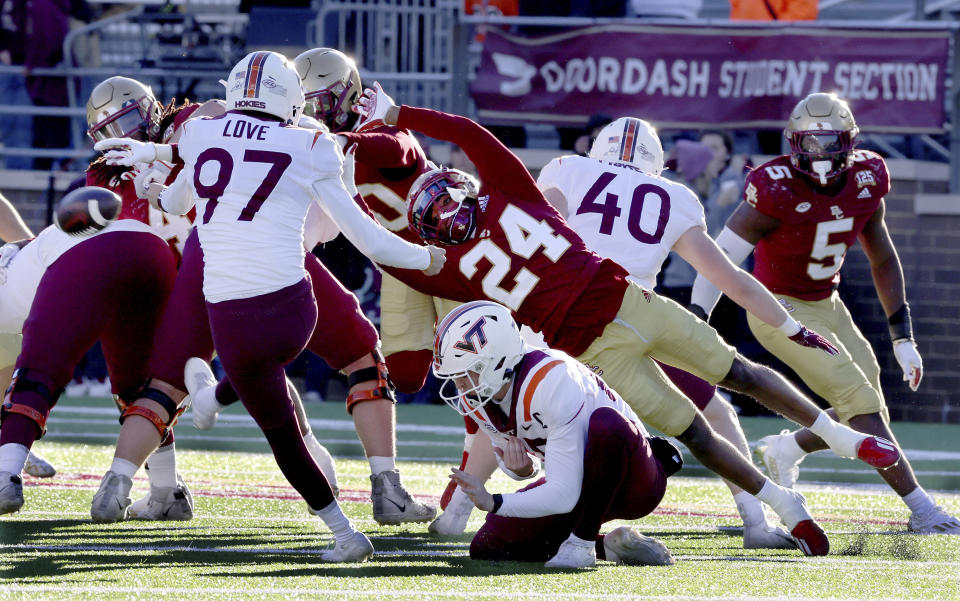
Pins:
<point x="479" y="345"/>
<point x="266" y="82"/>
<point x="630" y="140"/>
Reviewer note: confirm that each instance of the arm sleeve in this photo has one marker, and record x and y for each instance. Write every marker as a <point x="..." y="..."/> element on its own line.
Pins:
<point x="370" y="238"/>
<point x="496" y="165"/>
<point x="566" y="423"/>
<point x="178" y="198"/>
<point x="705" y="294"/>
<point x="383" y="149"/>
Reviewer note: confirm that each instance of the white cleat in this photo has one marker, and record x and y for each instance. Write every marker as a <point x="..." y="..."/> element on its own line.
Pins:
<point x="38" y="467"/>
<point x="626" y="546"/>
<point x="112" y="499"/>
<point x="201" y="388"/>
<point x="164" y="503"/>
<point x="935" y="521"/>
<point x="765" y="536"/>
<point x="356" y="549"/>
<point x="573" y="555"/>
<point x="452" y="522"/>
<point x="11" y="492"/>
<point x="781" y="470"/>
<point x="392" y="504"/>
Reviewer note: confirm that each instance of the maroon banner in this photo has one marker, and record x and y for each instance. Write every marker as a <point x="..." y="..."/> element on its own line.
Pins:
<point x="689" y="78"/>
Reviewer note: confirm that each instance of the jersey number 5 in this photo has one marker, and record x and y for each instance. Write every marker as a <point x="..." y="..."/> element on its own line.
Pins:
<point x="278" y="161"/>
<point x="821" y="249"/>
<point x="525" y="235"/>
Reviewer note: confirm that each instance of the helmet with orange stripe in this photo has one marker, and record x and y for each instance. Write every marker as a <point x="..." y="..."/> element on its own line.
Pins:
<point x="265" y="82"/>
<point x="632" y="141"/>
<point x="476" y="349"/>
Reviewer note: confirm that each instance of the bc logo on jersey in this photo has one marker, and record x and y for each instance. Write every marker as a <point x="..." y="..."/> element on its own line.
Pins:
<point x="475" y="331"/>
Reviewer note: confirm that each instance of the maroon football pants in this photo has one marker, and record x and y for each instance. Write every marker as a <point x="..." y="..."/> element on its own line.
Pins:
<point x="112" y="287"/>
<point x="621" y="480"/>
<point x="255" y="338"/>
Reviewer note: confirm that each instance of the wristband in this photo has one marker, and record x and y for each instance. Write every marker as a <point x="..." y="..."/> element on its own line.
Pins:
<point x="497" y="502"/>
<point x="900" y="324"/>
<point x="790" y="327"/>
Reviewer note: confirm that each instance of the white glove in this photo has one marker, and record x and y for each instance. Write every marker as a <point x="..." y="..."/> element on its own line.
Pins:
<point x="905" y="350"/>
<point x="372" y="107"/>
<point x="126" y="152"/>
<point x="146" y="175"/>
<point x="7" y="253"/>
<point x="438" y="257"/>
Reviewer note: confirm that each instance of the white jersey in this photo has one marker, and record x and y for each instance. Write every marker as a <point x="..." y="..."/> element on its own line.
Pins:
<point x="622" y="213"/>
<point x="253" y="181"/>
<point x="551" y="401"/>
<point x="25" y="271"/>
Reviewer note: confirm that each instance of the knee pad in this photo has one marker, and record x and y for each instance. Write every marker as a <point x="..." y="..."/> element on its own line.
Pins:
<point x="173" y="409"/>
<point x="378" y="373"/>
<point x="27" y="380"/>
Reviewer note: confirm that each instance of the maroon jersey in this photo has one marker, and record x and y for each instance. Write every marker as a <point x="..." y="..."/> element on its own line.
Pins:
<point x="524" y="254"/>
<point x="389" y="160"/>
<point x="803" y="255"/>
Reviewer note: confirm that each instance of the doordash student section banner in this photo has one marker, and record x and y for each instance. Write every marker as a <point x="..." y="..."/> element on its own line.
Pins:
<point x="684" y="77"/>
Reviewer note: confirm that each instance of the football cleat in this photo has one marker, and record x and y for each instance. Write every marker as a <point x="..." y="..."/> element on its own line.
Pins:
<point x="626" y="546"/>
<point x="38" y="467"/>
<point x="11" y="492"/>
<point x="356" y="549"/>
<point x="392" y="504"/>
<point x="164" y="503"/>
<point x="112" y="499"/>
<point x="765" y="536"/>
<point x="810" y="538"/>
<point x="878" y="452"/>
<point x="452" y="522"/>
<point x="573" y="555"/>
<point x="781" y="469"/>
<point x="934" y="521"/>
<point x="201" y="388"/>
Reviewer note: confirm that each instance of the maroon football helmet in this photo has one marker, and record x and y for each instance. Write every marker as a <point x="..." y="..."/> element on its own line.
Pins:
<point x="442" y="206"/>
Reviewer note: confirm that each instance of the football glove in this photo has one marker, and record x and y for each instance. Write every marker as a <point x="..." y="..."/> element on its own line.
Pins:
<point x="7" y="253"/>
<point x="905" y="350"/>
<point x="438" y="257"/>
<point x="128" y="152"/>
<point x="372" y="107"/>
<point x="811" y="339"/>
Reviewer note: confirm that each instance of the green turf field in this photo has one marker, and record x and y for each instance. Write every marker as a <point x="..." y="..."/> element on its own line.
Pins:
<point x="252" y="538"/>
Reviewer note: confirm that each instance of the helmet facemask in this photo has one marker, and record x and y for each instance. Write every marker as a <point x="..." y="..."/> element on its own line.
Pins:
<point x="331" y="106"/>
<point x="821" y="154"/>
<point x="443" y="208"/>
<point x="136" y="119"/>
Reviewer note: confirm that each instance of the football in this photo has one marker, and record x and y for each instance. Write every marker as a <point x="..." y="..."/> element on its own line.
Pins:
<point x="87" y="210"/>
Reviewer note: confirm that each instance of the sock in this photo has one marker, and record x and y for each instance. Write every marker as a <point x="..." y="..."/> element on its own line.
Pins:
<point x="162" y="467"/>
<point x="918" y="500"/>
<point x="225" y="394"/>
<point x="323" y="458"/>
<point x="14" y="455"/>
<point x="842" y="440"/>
<point x="124" y="467"/>
<point x="336" y="521"/>
<point x="784" y="503"/>
<point x="750" y="509"/>
<point x="381" y="464"/>
<point x="580" y="542"/>
<point x="791" y="449"/>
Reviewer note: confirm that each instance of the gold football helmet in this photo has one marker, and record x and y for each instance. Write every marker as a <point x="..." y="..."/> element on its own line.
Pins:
<point x="331" y="83"/>
<point x="120" y="107"/>
<point x="822" y="133"/>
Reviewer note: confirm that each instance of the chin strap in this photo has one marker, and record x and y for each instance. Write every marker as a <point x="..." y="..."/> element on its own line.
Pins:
<point x="378" y="373"/>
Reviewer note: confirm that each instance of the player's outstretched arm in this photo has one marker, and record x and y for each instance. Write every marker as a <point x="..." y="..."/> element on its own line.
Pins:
<point x="12" y="226"/>
<point x="888" y="280"/>
<point x="698" y="249"/>
<point x="370" y="238"/>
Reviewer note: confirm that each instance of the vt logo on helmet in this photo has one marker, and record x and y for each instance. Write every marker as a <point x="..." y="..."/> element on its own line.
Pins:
<point x="442" y="206"/>
<point x="822" y="133"/>
<point x="265" y="82"/>
<point x="476" y="349"/>
<point x="632" y="141"/>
